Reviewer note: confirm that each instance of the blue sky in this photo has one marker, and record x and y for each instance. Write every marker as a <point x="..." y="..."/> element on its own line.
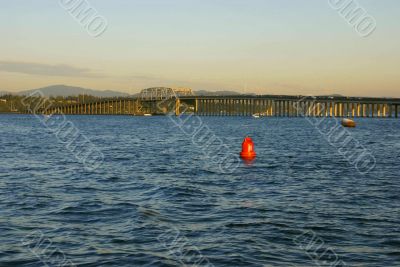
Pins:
<point x="281" y="46"/>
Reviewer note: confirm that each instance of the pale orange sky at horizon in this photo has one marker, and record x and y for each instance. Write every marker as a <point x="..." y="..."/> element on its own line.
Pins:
<point x="262" y="47"/>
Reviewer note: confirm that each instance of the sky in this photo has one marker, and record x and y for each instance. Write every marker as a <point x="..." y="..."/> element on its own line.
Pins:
<point x="261" y="46"/>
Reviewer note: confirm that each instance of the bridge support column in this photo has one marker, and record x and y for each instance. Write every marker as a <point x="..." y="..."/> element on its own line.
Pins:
<point x="177" y="107"/>
<point x="317" y="109"/>
<point x="373" y="110"/>
<point x="196" y="106"/>
<point x="335" y="109"/>
<point x="277" y="108"/>
<point x="378" y="107"/>
<point x="347" y="110"/>
<point x="384" y="111"/>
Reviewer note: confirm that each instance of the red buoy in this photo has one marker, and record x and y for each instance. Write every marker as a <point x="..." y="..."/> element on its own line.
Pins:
<point x="248" y="149"/>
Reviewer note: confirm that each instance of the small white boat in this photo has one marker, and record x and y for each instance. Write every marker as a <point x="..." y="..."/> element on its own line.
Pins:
<point x="256" y="116"/>
<point x="147" y="115"/>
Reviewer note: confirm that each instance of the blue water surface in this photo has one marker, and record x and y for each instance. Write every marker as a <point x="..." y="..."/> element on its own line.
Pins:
<point x="159" y="199"/>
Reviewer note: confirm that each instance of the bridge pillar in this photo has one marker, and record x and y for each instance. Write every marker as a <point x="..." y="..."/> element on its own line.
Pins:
<point x="177" y="107"/>
<point x="378" y="108"/>
<point x="212" y="107"/>
<point x="353" y="112"/>
<point x="384" y="111"/>
<point x="271" y="107"/>
<point x="280" y="108"/>
<point x="277" y="106"/>
<point x="285" y="108"/>
<point x="326" y="109"/>
<point x="249" y="107"/>
<point x="373" y="110"/>
<point x="364" y="111"/>
<point x="317" y="109"/>
<point x="311" y="108"/>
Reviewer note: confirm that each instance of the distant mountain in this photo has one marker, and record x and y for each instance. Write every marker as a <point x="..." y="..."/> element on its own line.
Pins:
<point x="217" y="93"/>
<point x="5" y="93"/>
<point x="64" y="90"/>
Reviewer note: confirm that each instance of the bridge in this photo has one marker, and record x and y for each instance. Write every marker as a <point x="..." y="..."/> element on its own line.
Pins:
<point x="163" y="100"/>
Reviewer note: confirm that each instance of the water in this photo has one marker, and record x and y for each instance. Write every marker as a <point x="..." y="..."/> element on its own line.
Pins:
<point x="157" y="201"/>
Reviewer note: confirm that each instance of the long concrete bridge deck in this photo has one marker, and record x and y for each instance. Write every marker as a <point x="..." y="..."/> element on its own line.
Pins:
<point x="166" y="101"/>
<point x="279" y="106"/>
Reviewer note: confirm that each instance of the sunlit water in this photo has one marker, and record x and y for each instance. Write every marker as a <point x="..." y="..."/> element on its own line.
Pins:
<point x="157" y="201"/>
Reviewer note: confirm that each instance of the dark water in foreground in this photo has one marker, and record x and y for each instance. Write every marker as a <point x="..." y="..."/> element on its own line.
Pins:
<point x="156" y="201"/>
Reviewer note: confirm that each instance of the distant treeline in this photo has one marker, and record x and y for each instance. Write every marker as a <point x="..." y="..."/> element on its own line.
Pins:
<point x="21" y="104"/>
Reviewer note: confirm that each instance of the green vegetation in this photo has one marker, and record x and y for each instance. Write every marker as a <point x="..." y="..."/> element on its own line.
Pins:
<point x="22" y="104"/>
